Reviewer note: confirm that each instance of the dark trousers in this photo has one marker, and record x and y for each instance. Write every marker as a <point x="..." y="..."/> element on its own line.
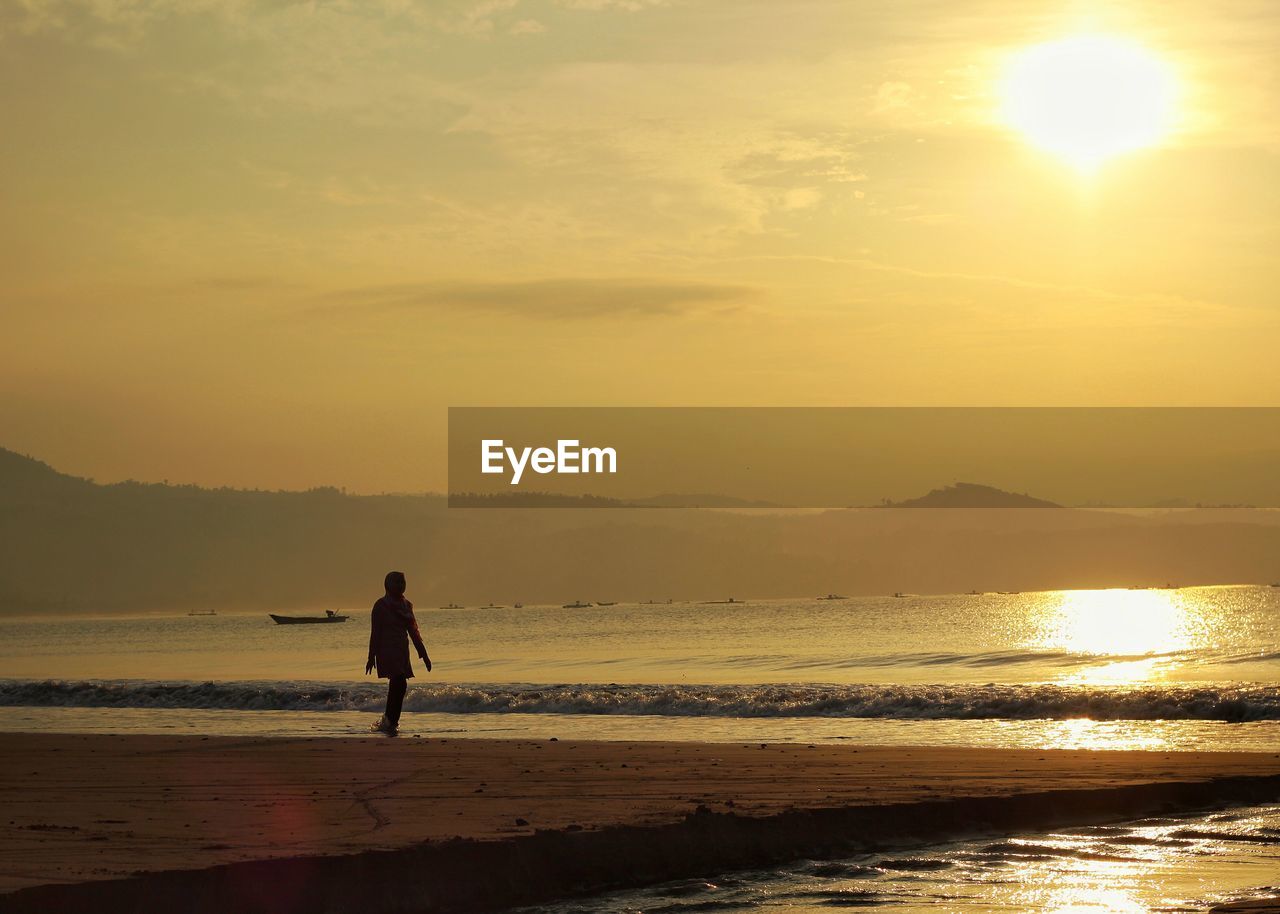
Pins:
<point x="396" y="688"/>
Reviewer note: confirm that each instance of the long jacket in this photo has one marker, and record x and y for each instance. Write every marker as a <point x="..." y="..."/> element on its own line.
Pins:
<point x="393" y="626"/>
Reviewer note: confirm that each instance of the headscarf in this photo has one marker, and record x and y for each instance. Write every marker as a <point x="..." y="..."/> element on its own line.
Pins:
<point x="395" y="584"/>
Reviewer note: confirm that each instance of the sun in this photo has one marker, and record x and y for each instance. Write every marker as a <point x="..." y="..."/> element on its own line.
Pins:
<point x="1088" y="98"/>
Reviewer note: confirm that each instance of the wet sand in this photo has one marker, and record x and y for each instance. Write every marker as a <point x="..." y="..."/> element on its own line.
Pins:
<point x="93" y="807"/>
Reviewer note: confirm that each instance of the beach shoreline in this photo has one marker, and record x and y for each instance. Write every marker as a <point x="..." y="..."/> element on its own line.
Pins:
<point x="486" y="824"/>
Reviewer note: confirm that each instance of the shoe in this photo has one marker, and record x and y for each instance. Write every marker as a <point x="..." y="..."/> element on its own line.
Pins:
<point x="383" y="726"/>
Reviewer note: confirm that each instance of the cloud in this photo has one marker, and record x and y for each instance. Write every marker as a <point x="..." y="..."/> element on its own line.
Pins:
<point x="629" y="6"/>
<point x="796" y="161"/>
<point x="554" y="299"/>
<point x="892" y="96"/>
<point x="244" y="283"/>
<point x="478" y="19"/>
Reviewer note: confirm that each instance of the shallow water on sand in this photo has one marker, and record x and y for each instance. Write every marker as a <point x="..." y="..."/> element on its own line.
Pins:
<point x="1174" y="864"/>
<point x="1192" y="735"/>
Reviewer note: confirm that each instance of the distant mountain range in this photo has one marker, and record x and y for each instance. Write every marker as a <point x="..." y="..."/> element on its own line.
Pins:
<point x="959" y="495"/>
<point x="69" y="544"/>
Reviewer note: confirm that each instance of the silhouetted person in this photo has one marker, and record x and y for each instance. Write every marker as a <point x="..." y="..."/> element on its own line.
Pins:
<point x="393" y="626"/>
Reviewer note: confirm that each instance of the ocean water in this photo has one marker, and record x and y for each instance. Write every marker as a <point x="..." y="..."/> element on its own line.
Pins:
<point x="1193" y="668"/>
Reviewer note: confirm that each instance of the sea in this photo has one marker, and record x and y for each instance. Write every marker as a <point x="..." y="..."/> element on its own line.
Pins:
<point x="1170" y="669"/>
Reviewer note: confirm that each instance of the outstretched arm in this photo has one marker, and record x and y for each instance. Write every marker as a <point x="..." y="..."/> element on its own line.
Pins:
<point x="373" y="636"/>
<point x="416" y="635"/>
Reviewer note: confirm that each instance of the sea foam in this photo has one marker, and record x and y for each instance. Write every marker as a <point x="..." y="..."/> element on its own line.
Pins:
<point x="906" y="702"/>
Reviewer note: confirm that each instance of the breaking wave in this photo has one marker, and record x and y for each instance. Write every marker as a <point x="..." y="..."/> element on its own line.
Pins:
<point x="912" y="702"/>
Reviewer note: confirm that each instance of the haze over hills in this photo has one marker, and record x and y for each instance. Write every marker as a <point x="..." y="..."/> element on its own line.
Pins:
<point x="74" y="545"/>
<point x="959" y="495"/>
<point x="539" y="499"/>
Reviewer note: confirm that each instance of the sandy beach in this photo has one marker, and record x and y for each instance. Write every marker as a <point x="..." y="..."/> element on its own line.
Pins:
<point x="83" y="808"/>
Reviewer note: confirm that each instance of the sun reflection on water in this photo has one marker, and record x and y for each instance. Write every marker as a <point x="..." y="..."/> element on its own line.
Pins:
<point x="1145" y="631"/>
<point x="1084" y="733"/>
<point x="1072" y="897"/>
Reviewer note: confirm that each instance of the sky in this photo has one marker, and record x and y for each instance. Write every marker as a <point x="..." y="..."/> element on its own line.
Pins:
<point x="269" y="244"/>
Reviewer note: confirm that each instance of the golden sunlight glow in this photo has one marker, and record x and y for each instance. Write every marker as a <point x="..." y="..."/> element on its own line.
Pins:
<point x="1088" y="98"/>
<point x="1088" y="892"/>
<point x="1135" y="626"/>
<point x="1083" y="733"/>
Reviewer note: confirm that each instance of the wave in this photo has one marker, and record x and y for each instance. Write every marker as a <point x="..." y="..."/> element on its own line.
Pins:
<point x="1006" y="658"/>
<point x="973" y="660"/>
<point x="909" y="702"/>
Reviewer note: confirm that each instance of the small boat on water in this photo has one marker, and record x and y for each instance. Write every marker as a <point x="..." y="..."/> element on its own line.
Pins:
<point x="722" y="602"/>
<point x="833" y="596"/>
<point x="899" y="594"/>
<point x="330" y="615"/>
<point x="518" y="605"/>
<point x="576" y="604"/>
<point x="613" y="603"/>
<point x="493" y="606"/>
<point x="452" y="606"/>
<point x="207" y="612"/>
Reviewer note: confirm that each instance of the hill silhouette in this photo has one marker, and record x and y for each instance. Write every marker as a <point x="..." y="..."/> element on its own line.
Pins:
<point x="972" y="495"/>
<point x="68" y="544"/>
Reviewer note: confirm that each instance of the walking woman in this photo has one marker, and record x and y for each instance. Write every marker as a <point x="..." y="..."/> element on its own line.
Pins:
<point x="393" y="627"/>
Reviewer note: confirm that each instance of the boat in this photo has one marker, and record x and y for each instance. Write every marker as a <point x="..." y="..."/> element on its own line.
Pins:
<point x="722" y="602"/>
<point x="576" y="604"/>
<point x="899" y="594"/>
<point x="493" y="606"/>
<point x="613" y="603"/>
<point x="975" y="593"/>
<point x="452" y="606"/>
<point x="518" y="605"/>
<point x="207" y="612"/>
<point x="833" y="596"/>
<point x="330" y="615"/>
